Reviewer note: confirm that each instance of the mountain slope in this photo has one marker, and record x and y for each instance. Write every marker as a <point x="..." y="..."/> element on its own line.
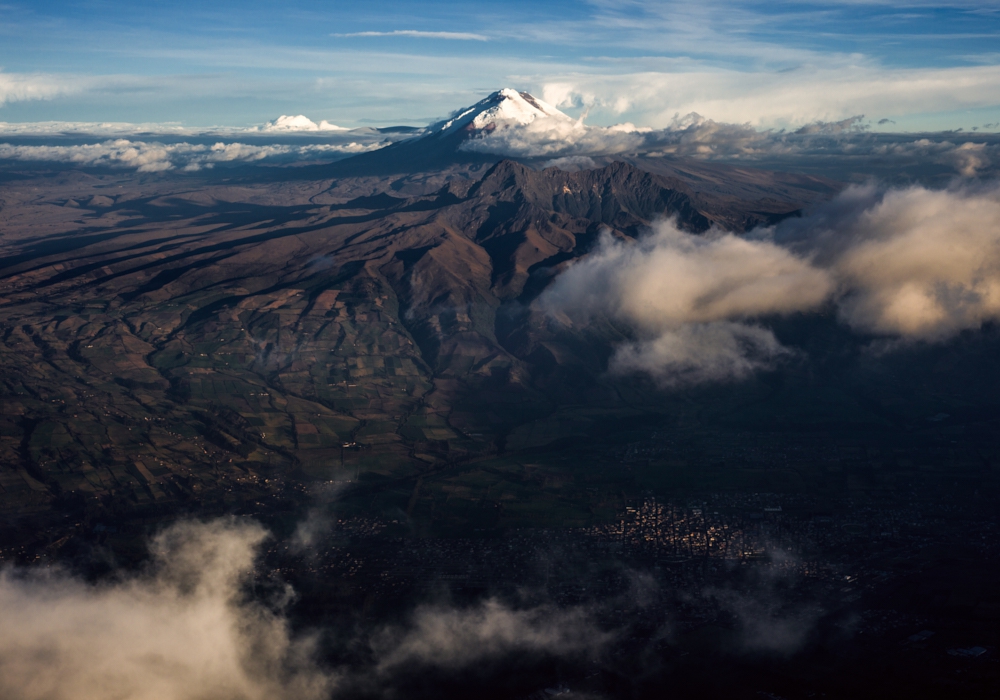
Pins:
<point x="321" y="312"/>
<point x="183" y="328"/>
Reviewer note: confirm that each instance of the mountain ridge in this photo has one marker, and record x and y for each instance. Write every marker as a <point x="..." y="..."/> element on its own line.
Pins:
<point x="368" y="306"/>
<point x="725" y="189"/>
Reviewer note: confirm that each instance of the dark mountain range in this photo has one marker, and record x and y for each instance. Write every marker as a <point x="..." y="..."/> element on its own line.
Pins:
<point x="396" y="312"/>
<point x="392" y="311"/>
<point x="375" y="309"/>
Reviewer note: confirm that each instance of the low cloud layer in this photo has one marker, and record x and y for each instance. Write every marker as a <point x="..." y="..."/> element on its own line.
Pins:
<point x="172" y="131"/>
<point x="845" y="149"/>
<point x="913" y="264"/>
<point x="836" y="145"/>
<point x="181" y="631"/>
<point x="151" y="156"/>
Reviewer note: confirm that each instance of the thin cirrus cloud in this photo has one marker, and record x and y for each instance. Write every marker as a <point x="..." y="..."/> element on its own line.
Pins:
<point x="455" y="36"/>
<point x="911" y="264"/>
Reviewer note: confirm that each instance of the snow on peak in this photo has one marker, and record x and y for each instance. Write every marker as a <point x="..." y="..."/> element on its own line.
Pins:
<point x="299" y="123"/>
<point x="506" y="107"/>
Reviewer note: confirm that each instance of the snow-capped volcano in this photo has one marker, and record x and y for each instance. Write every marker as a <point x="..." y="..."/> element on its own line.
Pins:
<point x="299" y="123"/>
<point x="506" y="107"/>
<point x="459" y="139"/>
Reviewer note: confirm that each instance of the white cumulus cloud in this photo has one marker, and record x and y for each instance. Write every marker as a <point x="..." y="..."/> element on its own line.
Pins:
<point x="913" y="264"/>
<point x="780" y="99"/>
<point x="689" y="298"/>
<point x="156" y="157"/>
<point x="299" y="123"/>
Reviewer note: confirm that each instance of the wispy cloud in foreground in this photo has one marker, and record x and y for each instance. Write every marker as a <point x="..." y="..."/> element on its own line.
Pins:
<point x="186" y="628"/>
<point x="453" y="638"/>
<point x="455" y="36"/>
<point x="181" y="631"/>
<point x="767" y="622"/>
<point x="912" y="264"/>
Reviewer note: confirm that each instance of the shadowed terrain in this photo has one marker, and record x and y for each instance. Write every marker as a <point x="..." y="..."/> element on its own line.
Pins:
<point x="368" y="356"/>
<point x="289" y="319"/>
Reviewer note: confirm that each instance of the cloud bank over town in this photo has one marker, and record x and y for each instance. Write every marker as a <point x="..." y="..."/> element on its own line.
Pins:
<point x="187" y="628"/>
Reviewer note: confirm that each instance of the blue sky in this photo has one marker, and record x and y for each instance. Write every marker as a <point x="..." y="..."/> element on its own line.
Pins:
<point x="922" y="65"/>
